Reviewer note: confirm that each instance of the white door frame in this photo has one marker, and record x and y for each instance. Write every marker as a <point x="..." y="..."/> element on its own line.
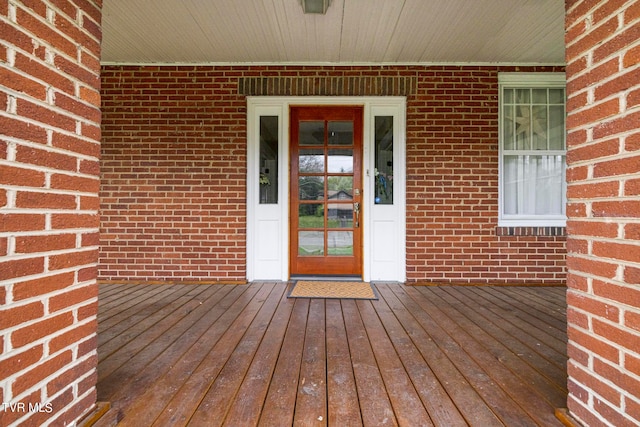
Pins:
<point x="384" y="226"/>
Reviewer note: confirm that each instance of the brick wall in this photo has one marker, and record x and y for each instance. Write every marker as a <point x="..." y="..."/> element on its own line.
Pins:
<point x="174" y="165"/>
<point x="49" y="182"/>
<point x="603" y="73"/>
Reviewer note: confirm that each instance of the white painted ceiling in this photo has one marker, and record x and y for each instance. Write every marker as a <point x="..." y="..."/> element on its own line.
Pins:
<point x="352" y="31"/>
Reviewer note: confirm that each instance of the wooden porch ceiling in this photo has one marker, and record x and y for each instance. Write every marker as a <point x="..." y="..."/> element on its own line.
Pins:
<point x="247" y="355"/>
<point x="352" y="31"/>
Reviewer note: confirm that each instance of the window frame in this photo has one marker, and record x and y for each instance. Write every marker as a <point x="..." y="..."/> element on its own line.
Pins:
<point x="528" y="81"/>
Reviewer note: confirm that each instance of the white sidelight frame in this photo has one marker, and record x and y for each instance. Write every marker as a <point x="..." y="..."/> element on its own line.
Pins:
<point x="384" y="232"/>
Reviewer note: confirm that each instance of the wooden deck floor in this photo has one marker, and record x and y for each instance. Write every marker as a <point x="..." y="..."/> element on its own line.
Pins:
<point x="246" y="355"/>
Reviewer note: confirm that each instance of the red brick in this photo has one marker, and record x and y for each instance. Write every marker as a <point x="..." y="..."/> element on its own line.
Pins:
<point x="92" y="27"/>
<point x="622" y="294"/>
<point x="45" y="115"/>
<point x="38" y="200"/>
<point x="38" y="6"/>
<point x="76" y="71"/>
<point x="74" y="259"/>
<point x="21" y="222"/>
<point x="90" y="96"/>
<point x="627" y="251"/>
<point x="632" y="320"/>
<point x="44" y="243"/>
<point x="595" y="113"/>
<point x="42" y="286"/>
<point x="583" y="377"/>
<point x="41" y="371"/>
<point x="42" y="30"/>
<point x="613" y="46"/>
<point x="42" y="71"/>
<point x="41" y="329"/>
<point x="15" y="315"/>
<point x="18" y="82"/>
<point x="632" y="231"/>
<point x="619" y="209"/>
<point x="90" y="8"/>
<point x="632" y="275"/>
<point x="90" y="167"/>
<point x="591" y="39"/>
<point x="76" y="145"/>
<point x="622" y="124"/>
<point x="87" y="311"/>
<point x="606" y="9"/>
<point x="632" y="142"/>
<point x="87" y="274"/>
<point x="611" y="411"/>
<point x="632" y="364"/>
<point x="594" y="151"/>
<point x="593" y="306"/>
<point x="11" y="269"/>
<point x="72" y="220"/>
<point x="69" y="338"/>
<point x="72" y="297"/>
<point x="631" y="13"/>
<point x="78" y="108"/>
<point x="591" y="228"/>
<point x="13" y="175"/>
<point x="36" y="156"/>
<point x="591" y="266"/>
<point x="613" y="373"/>
<point x="20" y="360"/>
<point x="593" y="190"/>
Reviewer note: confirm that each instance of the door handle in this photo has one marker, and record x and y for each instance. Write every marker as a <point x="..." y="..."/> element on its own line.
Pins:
<point x="356" y="210"/>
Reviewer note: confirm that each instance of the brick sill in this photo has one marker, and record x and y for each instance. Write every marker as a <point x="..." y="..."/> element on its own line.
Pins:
<point x="531" y="231"/>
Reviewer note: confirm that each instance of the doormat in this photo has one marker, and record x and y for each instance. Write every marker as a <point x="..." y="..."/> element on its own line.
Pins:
<point x="332" y="289"/>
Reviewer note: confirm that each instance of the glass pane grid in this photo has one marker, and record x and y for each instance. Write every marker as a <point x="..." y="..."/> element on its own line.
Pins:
<point x="325" y="181"/>
<point x="531" y="121"/>
<point x="534" y="152"/>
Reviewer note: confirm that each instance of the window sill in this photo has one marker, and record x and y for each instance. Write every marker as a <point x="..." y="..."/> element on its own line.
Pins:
<point x="531" y="231"/>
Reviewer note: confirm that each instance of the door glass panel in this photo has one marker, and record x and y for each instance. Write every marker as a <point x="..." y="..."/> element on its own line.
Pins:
<point x="311" y="215"/>
<point x="268" y="160"/>
<point x="340" y="161"/>
<point x="340" y="243"/>
<point x="311" y="133"/>
<point x="310" y="243"/>
<point x="340" y="133"/>
<point x="384" y="160"/>
<point x="340" y="215"/>
<point x="311" y="188"/>
<point x="340" y="187"/>
<point x="311" y="161"/>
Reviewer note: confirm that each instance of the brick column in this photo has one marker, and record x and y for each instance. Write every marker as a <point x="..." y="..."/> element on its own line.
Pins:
<point x="603" y="86"/>
<point x="49" y="183"/>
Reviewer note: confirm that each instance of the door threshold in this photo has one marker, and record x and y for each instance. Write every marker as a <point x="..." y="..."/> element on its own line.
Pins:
<point x="326" y="278"/>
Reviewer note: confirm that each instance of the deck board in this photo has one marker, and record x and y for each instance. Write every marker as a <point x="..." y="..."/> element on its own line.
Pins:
<point x="342" y="394"/>
<point x="177" y="355"/>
